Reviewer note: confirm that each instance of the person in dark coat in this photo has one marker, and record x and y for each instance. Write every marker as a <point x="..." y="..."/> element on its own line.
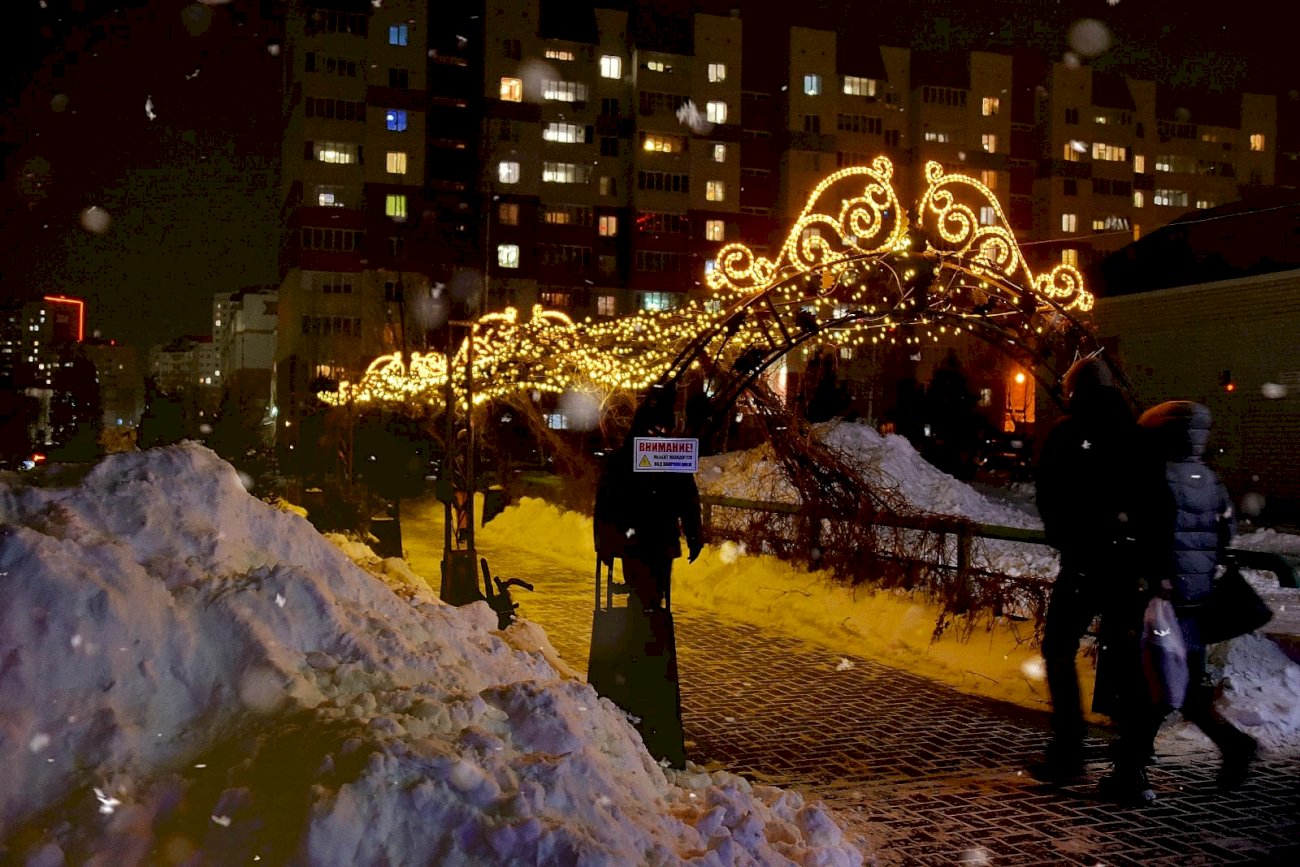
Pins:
<point x="1191" y="522"/>
<point x="1085" y="494"/>
<point x="641" y="517"/>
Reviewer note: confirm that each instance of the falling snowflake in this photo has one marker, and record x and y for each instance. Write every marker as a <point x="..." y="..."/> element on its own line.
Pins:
<point x="107" y="803"/>
<point x="845" y="664"/>
<point x="148" y="108"/>
<point x="689" y="115"/>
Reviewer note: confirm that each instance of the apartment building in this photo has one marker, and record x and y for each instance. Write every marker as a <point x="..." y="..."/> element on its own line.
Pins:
<point x="379" y="182"/>
<point x="594" y="160"/>
<point x="1119" y="157"/>
<point x="611" y="154"/>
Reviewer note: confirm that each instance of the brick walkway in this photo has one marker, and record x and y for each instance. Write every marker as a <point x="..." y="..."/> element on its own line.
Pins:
<point x="921" y="773"/>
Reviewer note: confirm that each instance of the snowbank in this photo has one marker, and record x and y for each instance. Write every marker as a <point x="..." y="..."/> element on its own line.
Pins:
<point x="188" y="673"/>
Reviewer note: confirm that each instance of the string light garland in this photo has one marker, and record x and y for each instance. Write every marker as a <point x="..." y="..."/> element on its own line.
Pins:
<point x="852" y="269"/>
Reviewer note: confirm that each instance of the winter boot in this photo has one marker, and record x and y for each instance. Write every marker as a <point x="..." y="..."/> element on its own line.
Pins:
<point x="1238" y="754"/>
<point x="1127" y="787"/>
<point x="1062" y="766"/>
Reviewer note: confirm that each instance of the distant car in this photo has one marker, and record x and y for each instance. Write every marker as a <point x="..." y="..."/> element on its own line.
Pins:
<point x="1006" y="453"/>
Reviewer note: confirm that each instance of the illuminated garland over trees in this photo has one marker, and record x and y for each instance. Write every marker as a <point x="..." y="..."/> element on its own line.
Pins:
<point x="852" y="269"/>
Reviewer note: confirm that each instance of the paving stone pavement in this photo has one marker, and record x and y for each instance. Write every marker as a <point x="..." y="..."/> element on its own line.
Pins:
<point x="918" y="772"/>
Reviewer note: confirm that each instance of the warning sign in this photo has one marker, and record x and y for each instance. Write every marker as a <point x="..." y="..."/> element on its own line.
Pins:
<point x="659" y="455"/>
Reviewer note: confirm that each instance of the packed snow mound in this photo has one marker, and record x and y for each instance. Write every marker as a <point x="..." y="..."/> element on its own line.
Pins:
<point x="754" y="474"/>
<point x="190" y="675"/>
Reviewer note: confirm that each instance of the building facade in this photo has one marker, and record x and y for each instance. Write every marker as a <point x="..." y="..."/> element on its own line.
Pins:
<point x="444" y="159"/>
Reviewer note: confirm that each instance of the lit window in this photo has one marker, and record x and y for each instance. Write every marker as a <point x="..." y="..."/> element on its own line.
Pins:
<point x="1205" y="203"/>
<point x="395" y="118"/>
<point x="512" y="89"/>
<point x="564" y="173"/>
<point x="988" y="215"/>
<point x="1071" y="153"/>
<point x="1098" y="224"/>
<point x="1139" y="199"/>
<point x="398" y="34"/>
<point x="710" y="265"/>
<point x="1137" y="231"/>
<point x="329" y="197"/>
<point x="336" y="152"/>
<point x="558" y="54"/>
<point x="719" y="153"/>
<point x="508" y="214"/>
<point x="561" y="132"/>
<point x="606" y="305"/>
<point x="714" y="230"/>
<point x="989" y="106"/>
<point x="657" y="300"/>
<point x="1069" y="223"/>
<point x="611" y="66"/>
<point x="608" y="186"/>
<point x="1257" y="141"/>
<point x="608" y="226"/>
<point x="717" y="72"/>
<point x="564" y="91"/>
<point x="395" y="206"/>
<point x="508" y="255"/>
<point x="989" y="142"/>
<point x="937" y="136"/>
<point x="1139" y="163"/>
<point x="715" y="191"/>
<point x="716" y="111"/>
<point x="395" y="162"/>
<point x="812" y="85"/>
<point x="1110" y="152"/>
<point x="989" y="178"/>
<point x="658" y="66"/>
<point x="508" y="172"/>
<point x="855" y="85"/>
<point x="1070" y="257"/>
<point x="662" y="144"/>
<point x="1101" y="119"/>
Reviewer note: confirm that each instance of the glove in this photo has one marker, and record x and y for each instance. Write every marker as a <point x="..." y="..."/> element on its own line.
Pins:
<point x="694" y="549"/>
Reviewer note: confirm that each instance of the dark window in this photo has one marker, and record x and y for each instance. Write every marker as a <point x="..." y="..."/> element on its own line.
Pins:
<point x="608" y="146"/>
<point x="400" y="78"/>
<point x="1071" y="187"/>
<point x="1072" y="115"/>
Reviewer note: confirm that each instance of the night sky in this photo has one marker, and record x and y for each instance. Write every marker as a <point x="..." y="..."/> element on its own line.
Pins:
<point x="191" y="194"/>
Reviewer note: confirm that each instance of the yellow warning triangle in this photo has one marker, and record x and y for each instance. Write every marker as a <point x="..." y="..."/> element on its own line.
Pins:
<point x="645" y="461"/>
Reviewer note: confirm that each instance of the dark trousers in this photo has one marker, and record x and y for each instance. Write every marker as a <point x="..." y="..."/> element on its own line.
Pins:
<point x="1075" y="601"/>
<point x="1140" y="725"/>
<point x="649" y="579"/>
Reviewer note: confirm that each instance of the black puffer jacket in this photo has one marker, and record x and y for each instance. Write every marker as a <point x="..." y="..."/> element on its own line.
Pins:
<point x="1192" y="519"/>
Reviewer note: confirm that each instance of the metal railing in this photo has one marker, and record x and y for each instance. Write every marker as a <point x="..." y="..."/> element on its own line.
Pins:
<point x="966" y="532"/>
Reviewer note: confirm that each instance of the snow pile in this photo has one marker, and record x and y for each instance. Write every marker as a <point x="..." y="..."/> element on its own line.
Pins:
<point x="755" y="475"/>
<point x="191" y="675"/>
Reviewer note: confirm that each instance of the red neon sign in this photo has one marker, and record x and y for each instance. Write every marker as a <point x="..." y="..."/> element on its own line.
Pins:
<point x="81" y="311"/>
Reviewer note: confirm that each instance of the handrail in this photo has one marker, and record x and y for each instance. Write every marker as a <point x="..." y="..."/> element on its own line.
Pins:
<point x="1264" y="561"/>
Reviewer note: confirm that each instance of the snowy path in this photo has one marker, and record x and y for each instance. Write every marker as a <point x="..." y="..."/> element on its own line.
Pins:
<point x="928" y="775"/>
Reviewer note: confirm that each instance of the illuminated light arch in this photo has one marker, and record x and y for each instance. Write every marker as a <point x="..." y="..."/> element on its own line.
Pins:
<point x="855" y="268"/>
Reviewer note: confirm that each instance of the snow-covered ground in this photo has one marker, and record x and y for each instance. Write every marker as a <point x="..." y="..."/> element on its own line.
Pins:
<point x="188" y="675"/>
<point x="1260" y="685"/>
